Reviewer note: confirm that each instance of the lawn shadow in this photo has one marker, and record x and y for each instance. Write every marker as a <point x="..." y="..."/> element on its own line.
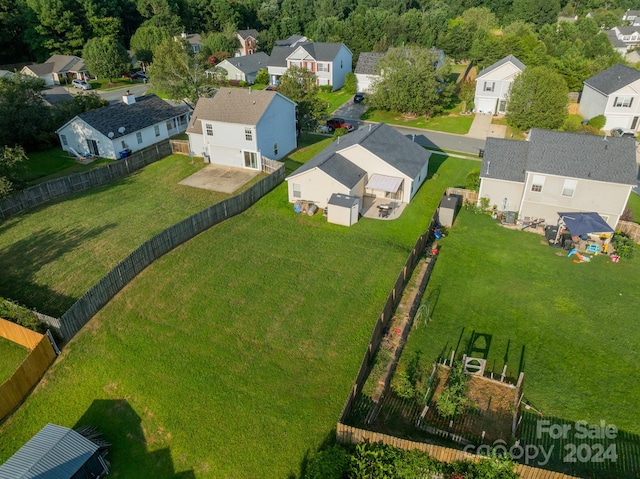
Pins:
<point x="129" y="456"/>
<point x="435" y="162"/>
<point x="22" y="260"/>
<point x="328" y="440"/>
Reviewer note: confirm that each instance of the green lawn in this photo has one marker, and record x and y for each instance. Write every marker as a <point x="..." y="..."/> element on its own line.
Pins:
<point x="11" y="356"/>
<point x="54" y="163"/>
<point x="232" y="356"/>
<point x="449" y="122"/>
<point x="634" y="205"/>
<point x="51" y="255"/>
<point x="334" y="99"/>
<point x="573" y="327"/>
<point x="115" y="84"/>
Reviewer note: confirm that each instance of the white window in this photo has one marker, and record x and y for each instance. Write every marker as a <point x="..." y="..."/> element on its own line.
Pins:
<point x="623" y="101"/>
<point x="569" y="188"/>
<point x="157" y="130"/>
<point x="537" y="183"/>
<point x="251" y="160"/>
<point x="489" y="85"/>
<point x="63" y="138"/>
<point x="209" y="129"/>
<point x="275" y="149"/>
<point x="297" y="193"/>
<point x="323" y="67"/>
<point x="248" y="134"/>
<point x="139" y="137"/>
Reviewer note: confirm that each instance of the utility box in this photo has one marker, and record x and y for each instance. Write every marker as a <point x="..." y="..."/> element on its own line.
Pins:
<point x="343" y="209"/>
<point x="448" y="209"/>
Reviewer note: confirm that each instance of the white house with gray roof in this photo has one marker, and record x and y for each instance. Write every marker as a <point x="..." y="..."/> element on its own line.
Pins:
<point x="329" y="62"/>
<point x="493" y="83"/>
<point x="58" y="69"/>
<point x="133" y="124"/>
<point x="628" y="36"/>
<point x="557" y="171"/>
<point x="244" y="68"/>
<point x="237" y="127"/>
<point x="614" y="93"/>
<point x="376" y="161"/>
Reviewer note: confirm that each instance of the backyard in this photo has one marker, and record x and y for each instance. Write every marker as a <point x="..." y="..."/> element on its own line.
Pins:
<point x="232" y="355"/>
<point x="54" y="163"/>
<point x="12" y="355"/>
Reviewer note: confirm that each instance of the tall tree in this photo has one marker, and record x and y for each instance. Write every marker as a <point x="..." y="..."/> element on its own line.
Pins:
<point x="411" y="81"/>
<point x="106" y="58"/>
<point x="60" y="28"/>
<point x="178" y="72"/>
<point x="13" y="18"/>
<point x="145" y="40"/>
<point x="537" y="12"/>
<point x="218" y="42"/>
<point x="299" y="85"/>
<point x="12" y="159"/>
<point x="538" y="98"/>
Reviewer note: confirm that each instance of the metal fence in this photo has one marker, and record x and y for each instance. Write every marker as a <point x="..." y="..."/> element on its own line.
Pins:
<point x="59" y="187"/>
<point x="105" y="289"/>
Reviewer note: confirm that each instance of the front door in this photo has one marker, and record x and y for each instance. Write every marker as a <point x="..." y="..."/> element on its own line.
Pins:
<point x="92" y="145"/>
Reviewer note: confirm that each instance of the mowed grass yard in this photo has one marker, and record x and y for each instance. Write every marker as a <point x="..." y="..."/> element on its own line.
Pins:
<point x="51" y="255"/>
<point x="232" y="355"/>
<point x="576" y="324"/>
<point x="11" y="356"/>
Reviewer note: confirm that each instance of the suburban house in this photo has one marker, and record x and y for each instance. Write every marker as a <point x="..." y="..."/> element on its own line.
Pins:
<point x="632" y="17"/>
<point x="624" y="37"/>
<point x="116" y="130"/>
<point x="237" y="127"/>
<point x="193" y="39"/>
<point x="329" y="62"/>
<point x="367" y="67"/>
<point x="557" y="171"/>
<point x="614" y="93"/>
<point x="292" y="41"/>
<point x="493" y="83"/>
<point x="59" y="69"/>
<point x="248" y="42"/>
<point x="244" y="68"/>
<point x="57" y="452"/>
<point x="373" y="162"/>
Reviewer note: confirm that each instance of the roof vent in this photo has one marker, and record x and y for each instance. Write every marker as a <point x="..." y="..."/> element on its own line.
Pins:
<point x="254" y="102"/>
<point x="111" y="134"/>
<point x="121" y="130"/>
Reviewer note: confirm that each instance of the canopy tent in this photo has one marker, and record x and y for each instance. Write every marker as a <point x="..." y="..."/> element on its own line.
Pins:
<point x="390" y="184"/>
<point x="581" y="224"/>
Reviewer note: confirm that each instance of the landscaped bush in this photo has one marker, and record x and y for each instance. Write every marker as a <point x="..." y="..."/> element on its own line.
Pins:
<point x="350" y="83"/>
<point x="598" y="122"/>
<point x="262" y="78"/>
<point x="473" y="180"/>
<point x="624" y="245"/>
<point x="20" y="315"/>
<point x="572" y="123"/>
<point x="326" y="88"/>
<point x="330" y="463"/>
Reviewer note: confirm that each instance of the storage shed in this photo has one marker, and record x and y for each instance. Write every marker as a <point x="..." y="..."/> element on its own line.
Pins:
<point x="448" y="209"/>
<point x="343" y="209"/>
<point x="56" y="452"/>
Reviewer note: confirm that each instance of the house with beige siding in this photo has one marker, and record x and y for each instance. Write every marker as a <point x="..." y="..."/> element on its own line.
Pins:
<point x="376" y="162"/>
<point x="557" y="171"/>
<point x="493" y="84"/>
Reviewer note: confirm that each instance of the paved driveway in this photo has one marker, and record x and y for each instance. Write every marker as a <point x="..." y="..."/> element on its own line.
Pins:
<point x="224" y="179"/>
<point x="350" y="111"/>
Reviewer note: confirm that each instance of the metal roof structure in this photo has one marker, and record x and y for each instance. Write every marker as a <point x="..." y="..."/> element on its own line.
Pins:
<point x="55" y="452"/>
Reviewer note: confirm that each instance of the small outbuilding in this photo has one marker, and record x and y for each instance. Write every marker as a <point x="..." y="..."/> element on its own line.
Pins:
<point x="448" y="209"/>
<point x="56" y="452"/>
<point x="343" y="209"/>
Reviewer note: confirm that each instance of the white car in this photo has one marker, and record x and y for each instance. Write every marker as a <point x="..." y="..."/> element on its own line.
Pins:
<point x="83" y="85"/>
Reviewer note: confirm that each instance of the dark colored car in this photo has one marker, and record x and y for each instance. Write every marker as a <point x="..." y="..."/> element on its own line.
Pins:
<point x="358" y="98"/>
<point x="335" y="123"/>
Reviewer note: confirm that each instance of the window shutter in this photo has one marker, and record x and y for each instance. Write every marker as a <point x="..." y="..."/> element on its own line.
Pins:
<point x="630" y="102"/>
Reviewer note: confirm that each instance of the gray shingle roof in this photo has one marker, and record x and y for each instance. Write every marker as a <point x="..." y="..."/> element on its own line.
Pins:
<point x="292" y="40"/>
<point x="249" y="63"/>
<point x="232" y="105"/>
<point x="55" y="452"/>
<point x="278" y="57"/>
<point x="367" y="63"/>
<point x="613" y="78"/>
<point x="322" y="51"/>
<point x="628" y="29"/>
<point x="345" y="201"/>
<point x="244" y="34"/>
<point x="569" y="155"/>
<point x="146" y="111"/>
<point x="615" y="41"/>
<point x="509" y="58"/>
<point x="383" y="141"/>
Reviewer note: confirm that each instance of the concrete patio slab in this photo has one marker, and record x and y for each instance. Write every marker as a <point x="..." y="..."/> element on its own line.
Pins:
<point x="224" y="179"/>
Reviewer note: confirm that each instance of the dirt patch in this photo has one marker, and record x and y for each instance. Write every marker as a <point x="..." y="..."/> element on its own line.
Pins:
<point x="574" y="108"/>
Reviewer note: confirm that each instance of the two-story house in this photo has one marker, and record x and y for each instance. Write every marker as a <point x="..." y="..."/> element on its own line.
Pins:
<point x="614" y="93"/>
<point x="116" y="130"/>
<point x="493" y="83"/>
<point x="629" y="36"/>
<point x="631" y="17"/>
<point x="248" y="42"/>
<point x="193" y="39"/>
<point x="329" y="62"/>
<point x="556" y="172"/>
<point x="238" y="126"/>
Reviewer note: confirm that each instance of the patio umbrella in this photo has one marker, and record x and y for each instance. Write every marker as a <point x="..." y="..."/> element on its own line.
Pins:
<point x="581" y="224"/>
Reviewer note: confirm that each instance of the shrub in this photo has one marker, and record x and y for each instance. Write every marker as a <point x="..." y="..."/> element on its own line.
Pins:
<point x="326" y="88"/>
<point x="598" y="122"/>
<point x="402" y="386"/>
<point x="339" y="132"/>
<point x="572" y="123"/>
<point x="243" y="83"/>
<point x="623" y="244"/>
<point x="473" y="180"/>
<point x="350" y="83"/>
<point x="331" y="463"/>
<point x="453" y="399"/>
<point x="20" y="315"/>
<point x="262" y="78"/>
<point x="627" y="214"/>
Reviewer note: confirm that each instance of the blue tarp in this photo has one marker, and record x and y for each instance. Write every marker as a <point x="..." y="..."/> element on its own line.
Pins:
<point x="581" y="224"/>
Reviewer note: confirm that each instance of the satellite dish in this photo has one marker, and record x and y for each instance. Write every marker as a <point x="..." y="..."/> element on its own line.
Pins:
<point x="121" y="129"/>
<point x="111" y="134"/>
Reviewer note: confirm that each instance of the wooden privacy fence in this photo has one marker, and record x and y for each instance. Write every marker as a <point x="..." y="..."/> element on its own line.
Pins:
<point x="116" y="279"/>
<point x="50" y="190"/>
<point x="14" y="389"/>
<point x="468" y="196"/>
<point x="351" y="435"/>
<point x="630" y="228"/>
<point x="180" y="147"/>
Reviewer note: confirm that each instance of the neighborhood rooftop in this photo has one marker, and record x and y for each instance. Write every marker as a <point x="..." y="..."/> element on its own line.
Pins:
<point x="613" y="79"/>
<point x="564" y="154"/>
<point x="250" y="63"/>
<point x="367" y="63"/>
<point x="244" y="34"/>
<point x="509" y="58"/>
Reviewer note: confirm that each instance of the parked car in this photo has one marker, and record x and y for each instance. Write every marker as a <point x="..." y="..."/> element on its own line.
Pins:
<point x="139" y="76"/>
<point x="335" y="123"/>
<point x="622" y="133"/>
<point x="323" y="129"/>
<point x="83" y="85"/>
<point x="358" y="98"/>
